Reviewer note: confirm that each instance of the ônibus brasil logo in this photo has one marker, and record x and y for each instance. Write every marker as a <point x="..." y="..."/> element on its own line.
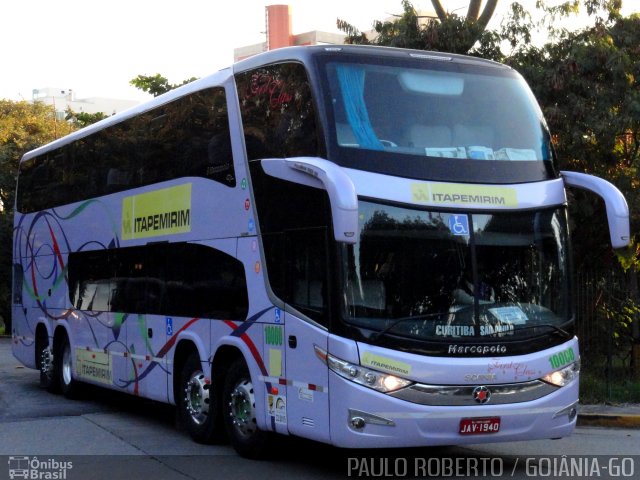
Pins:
<point x="34" y="468"/>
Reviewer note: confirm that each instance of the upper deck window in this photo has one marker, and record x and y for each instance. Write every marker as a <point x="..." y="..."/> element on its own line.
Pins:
<point x="278" y="113"/>
<point x="188" y="137"/>
<point x="435" y="120"/>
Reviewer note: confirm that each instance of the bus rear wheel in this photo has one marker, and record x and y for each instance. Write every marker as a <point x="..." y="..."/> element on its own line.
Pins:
<point x="46" y="366"/>
<point x="239" y="411"/>
<point x="63" y="366"/>
<point x="197" y="403"/>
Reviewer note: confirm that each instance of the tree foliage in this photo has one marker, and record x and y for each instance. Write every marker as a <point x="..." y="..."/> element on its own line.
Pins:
<point x="23" y="127"/>
<point x="156" y="84"/>
<point x="448" y="32"/>
<point x="83" y="119"/>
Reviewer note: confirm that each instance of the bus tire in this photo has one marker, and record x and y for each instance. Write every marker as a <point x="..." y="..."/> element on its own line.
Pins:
<point x="198" y="403"/>
<point x="62" y="361"/>
<point x="46" y="365"/>
<point x="239" y="412"/>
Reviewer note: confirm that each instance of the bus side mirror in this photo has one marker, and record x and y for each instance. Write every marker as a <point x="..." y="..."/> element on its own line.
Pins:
<point x="320" y="173"/>
<point x="617" y="209"/>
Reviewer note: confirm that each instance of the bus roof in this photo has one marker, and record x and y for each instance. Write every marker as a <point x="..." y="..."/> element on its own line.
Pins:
<point x="306" y="53"/>
<point x="215" y="79"/>
<point x="303" y="54"/>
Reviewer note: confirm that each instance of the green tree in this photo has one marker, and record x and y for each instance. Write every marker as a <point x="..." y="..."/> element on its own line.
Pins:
<point x="83" y="119"/>
<point x="23" y="127"/>
<point x="156" y="84"/>
<point x="448" y="32"/>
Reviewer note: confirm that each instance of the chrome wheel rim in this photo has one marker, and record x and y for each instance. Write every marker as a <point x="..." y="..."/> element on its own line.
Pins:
<point x="46" y="362"/>
<point x="196" y="398"/>
<point x="66" y="365"/>
<point x="242" y="409"/>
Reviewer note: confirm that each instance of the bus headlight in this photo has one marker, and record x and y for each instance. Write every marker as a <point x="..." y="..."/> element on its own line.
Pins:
<point x="382" y="382"/>
<point x="564" y="376"/>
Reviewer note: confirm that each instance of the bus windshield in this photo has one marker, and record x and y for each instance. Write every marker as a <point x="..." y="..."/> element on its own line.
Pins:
<point x="431" y="275"/>
<point x="434" y="119"/>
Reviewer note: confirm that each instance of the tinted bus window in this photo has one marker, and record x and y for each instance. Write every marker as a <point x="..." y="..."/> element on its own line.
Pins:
<point x="434" y="120"/>
<point x="180" y="279"/>
<point x="294" y="221"/>
<point x="187" y="137"/>
<point x="277" y="112"/>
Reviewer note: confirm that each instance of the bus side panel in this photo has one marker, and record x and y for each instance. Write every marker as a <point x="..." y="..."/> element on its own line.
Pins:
<point x="217" y="211"/>
<point x="90" y="335"/>
<point x="42" y="242"/>
<point x="26" y="303"/>
<point x="247" y="338"/>
<point x="196" y="331"/>
<point x="263" y="348"/>
<point x="307" y="380"/>
<point x="145" y="368"/>
<point x="22" y="337"/>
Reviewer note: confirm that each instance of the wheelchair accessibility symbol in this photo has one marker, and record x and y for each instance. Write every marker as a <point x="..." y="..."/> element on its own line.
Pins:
<point x="459" y="224"/>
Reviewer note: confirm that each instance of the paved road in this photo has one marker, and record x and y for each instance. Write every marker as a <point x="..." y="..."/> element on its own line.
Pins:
<point x="112" y="436"/>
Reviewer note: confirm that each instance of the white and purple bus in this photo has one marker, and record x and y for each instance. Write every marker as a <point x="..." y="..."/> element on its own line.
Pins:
<point x="363" y="246"/>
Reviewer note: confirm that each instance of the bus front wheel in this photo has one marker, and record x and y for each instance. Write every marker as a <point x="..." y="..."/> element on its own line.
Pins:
<point x="239" y="410"/>
<point x="197" y="402"/>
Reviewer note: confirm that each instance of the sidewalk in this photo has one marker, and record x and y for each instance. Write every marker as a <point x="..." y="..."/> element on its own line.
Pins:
<point x="621" y="416"/>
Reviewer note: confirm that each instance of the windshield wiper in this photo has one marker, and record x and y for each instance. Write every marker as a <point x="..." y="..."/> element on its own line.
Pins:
<point x="385" y="330"/>
<point x="550" y="325"/>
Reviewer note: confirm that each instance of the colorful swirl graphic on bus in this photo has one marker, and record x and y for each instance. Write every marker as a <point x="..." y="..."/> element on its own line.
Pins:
<point x="103" y="353"/>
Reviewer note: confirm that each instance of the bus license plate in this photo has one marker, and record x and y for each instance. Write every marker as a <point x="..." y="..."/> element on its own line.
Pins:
<point x="479" y="426"/>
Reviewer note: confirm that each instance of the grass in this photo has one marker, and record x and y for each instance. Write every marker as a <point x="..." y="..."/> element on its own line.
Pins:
<point x="1" y="330"/>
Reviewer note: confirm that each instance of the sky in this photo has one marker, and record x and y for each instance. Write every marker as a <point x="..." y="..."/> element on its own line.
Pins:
<point x="96" y="48"/>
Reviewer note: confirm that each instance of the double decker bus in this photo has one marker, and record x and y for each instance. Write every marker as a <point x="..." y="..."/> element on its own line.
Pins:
<point x="363" y="246"/>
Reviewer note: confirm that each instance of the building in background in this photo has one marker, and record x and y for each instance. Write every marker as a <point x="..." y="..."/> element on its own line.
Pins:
<point x="279" y="34"/>
<point x="62" y="99"/>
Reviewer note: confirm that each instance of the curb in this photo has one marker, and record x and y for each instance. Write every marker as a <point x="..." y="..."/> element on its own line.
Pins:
<point x="610" y="420"/>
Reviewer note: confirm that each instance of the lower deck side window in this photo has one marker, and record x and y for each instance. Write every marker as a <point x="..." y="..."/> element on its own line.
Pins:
<point x="181" y="279"/>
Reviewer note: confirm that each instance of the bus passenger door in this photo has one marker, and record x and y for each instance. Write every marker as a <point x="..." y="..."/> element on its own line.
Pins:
<point x="305" y="319"/>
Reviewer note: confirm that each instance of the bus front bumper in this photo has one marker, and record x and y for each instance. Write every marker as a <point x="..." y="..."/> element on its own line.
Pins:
<point x="363" y="418"/>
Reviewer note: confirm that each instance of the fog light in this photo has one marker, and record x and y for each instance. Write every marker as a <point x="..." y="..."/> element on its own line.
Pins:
<point x="358" y="419"/>
<point x="571" y="412"/>
<point x="358" y="423"/>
